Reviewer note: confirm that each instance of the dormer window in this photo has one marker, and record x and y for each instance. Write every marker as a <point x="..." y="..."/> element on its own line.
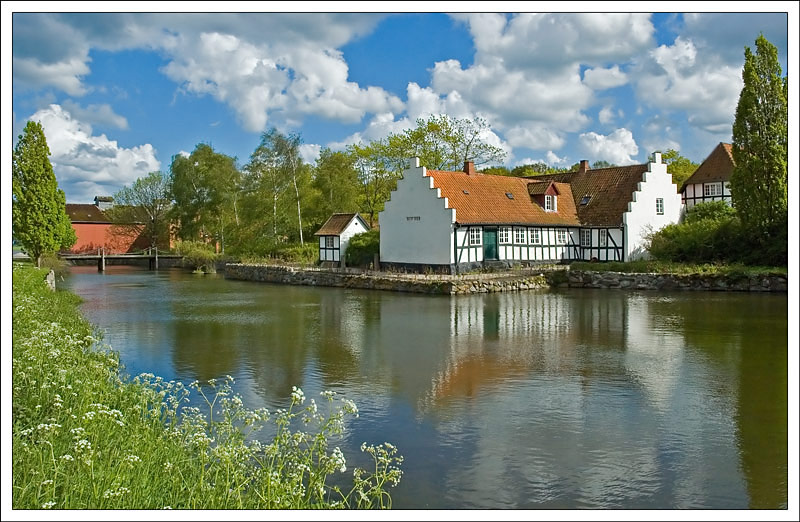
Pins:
<point x="550" y="203"/>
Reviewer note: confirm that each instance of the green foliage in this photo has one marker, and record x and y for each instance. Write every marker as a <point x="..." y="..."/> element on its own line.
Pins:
<point x="39" y="218"/>
<point x="715" y="210"/>
<point x="145" y="206"/>
<point x="681" y="168"/>
<point x="496" y="171"/>
<point x="651" y="266"/>
<point x="759" y="183"/>
<point x="205" y="189"/>
<point x="362" y="248"/>
<point x="338" y="189"/>
<point x="84" y="437"/>
<point x="197" y="255"/>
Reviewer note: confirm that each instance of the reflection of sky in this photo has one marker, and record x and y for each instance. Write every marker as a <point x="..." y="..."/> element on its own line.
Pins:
<point x="538" y="399"/>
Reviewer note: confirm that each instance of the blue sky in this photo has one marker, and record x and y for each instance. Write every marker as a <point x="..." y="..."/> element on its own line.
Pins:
<point x="119" y="93"/>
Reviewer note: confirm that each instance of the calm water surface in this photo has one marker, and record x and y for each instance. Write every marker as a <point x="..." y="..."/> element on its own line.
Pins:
<point x="544" y="399"/>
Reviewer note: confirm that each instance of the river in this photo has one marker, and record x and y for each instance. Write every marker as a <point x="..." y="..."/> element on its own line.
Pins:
<point x="547" y="399"/>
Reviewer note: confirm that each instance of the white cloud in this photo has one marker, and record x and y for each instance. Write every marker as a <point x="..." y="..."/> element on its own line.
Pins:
<point x="599" y="78"/>
<point x="616" y="148"/>
<point x="606" y="115"/>
<point x="537" y="137"/>
<point x="95" y="114"/>
<point x="87" y="165"/>
<point x="678" y="78"/>
<point x="66" y="75"/>
<point x="310" y="152"/>
<point x="552" y="159"/>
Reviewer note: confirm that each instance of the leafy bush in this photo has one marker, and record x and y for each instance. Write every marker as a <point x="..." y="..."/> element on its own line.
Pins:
<point x="362" y="248"/>
<point x="83" y="437"/>
<point x="197" y="255"/>
<point x="715" y="210"/>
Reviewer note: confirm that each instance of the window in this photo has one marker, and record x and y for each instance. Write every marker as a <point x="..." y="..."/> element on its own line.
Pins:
<point x="536" y="236"/>
<point x="712" y="189"/>
<point x="505" y="235"/>
<point x="550" y="203"/>
<point x="585" y="199"/>
<point x="561" y="237"/>
<point x="474" y="236"/>
<point x="519" y="236"/>
<point x="603" y="237"/>
<point x="509" y="195"/>
<point x="586" y="238"/>
<point x="660" y="206"/>
<point x="328" y="241"/>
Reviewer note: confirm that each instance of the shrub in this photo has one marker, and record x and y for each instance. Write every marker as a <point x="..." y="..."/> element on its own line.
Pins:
<point x="197" y="255"/>
<point x="362" y="248"/>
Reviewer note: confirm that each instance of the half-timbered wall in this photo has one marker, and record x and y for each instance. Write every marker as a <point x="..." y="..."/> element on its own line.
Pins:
<point x="522" y="243"/>
<point x="329" y="248"/>
<point x="602" y="244"/>
<point x="704" y="192"/>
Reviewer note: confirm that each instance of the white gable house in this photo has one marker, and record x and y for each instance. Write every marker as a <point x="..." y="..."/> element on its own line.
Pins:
<point x="335" y="235"/>
<point x="456" y="221"/>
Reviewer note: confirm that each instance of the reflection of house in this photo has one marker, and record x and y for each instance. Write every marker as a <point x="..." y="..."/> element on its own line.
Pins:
<point x="711" y="180"/>
<point x="335" y="235"/>
<point x="94" y="229"/>
<point x="449" y="221"/>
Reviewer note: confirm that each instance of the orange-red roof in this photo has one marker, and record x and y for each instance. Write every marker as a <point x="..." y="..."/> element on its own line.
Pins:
<point x="718" y="166"/>
<point x="490" y="199"/>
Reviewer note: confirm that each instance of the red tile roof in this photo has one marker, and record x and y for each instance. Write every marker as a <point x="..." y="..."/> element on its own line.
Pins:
<point x="606" y="192"/>
<point x="336" y="224"/>
<point x="490" y="199"/>
<point x="718" y="166"/>
<point x="86" y="213"/>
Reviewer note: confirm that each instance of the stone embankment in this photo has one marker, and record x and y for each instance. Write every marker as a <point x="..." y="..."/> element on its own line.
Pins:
<point x="513" y="281"/>
<point x="417" y="283"/>
<point x="718" y="282"/>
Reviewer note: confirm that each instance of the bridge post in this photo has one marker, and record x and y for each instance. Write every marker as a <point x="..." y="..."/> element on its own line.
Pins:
<point x="101" y="263"/>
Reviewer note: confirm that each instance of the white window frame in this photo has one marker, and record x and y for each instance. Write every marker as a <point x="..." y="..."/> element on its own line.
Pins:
<point x="603" y="237"/>
<point x="475" y="236"/>
<point x="329" y="242"/>
<point x="550" y="203"/>
<point x="712" y="189"/>
<point x="586" y="237"/>
<point x="660" y="206"/>
<point x="536" y="236"/>
<point x="520" y="236"/>
<point x="561" y="236"/>
<point x="505" y="235"/>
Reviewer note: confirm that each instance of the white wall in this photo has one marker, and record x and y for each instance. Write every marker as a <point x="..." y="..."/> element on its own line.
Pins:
<point x="641" y="217"/>
<point x="416" y="226"/>
<point x="353" y="228"/>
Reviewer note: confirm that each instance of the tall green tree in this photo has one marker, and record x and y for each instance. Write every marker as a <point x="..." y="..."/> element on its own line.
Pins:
<point x="335" y="179"/>
<point x="39" y="217"/>
<point x="143" y="208"/>
<point x="760" y="142"/>
<point x="205" y="189"/>
<point x="378" y="169"/>
<point x="680" y="168"/>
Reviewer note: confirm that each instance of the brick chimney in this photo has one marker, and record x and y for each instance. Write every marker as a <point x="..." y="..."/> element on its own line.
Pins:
<point x="469" y="168"/>
<point x="584" y="166"/>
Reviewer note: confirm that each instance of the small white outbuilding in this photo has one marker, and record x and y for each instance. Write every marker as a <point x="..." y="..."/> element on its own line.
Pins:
<point x="335" y="235"/>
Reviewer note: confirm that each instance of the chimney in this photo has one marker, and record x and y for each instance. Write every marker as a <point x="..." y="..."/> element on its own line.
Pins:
<point x="584" y="166"/>
<point x="469" y="168"/>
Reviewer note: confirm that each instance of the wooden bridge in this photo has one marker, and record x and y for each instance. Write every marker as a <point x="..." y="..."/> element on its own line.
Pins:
<point x="149" y="256"/>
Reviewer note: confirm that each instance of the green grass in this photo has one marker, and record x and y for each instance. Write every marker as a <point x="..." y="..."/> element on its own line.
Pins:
<point x="86" y="438"/>
<point x="665" y="267"/>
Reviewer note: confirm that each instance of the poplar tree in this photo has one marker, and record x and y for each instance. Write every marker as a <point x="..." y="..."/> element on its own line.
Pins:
<point x="760" y="149"/>
<point x="39" y="215"/>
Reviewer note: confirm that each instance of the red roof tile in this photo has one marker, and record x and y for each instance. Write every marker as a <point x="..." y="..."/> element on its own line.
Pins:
<point x="489" y="199"/>
<point x="718" y="166"/>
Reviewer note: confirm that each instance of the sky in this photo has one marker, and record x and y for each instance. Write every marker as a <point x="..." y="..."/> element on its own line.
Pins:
<point x="120" y="93"/>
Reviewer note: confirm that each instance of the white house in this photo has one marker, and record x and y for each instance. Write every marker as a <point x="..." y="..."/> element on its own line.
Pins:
<point x="455" y="221"/>
<point x="711" y="180"/>
<point x="335" y="235"/>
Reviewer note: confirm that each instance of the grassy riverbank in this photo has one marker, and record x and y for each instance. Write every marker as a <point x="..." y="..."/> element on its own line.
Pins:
<point x="86" y="438"/>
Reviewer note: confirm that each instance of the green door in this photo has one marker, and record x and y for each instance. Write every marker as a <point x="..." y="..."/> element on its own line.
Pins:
<point x="489" y="244"/>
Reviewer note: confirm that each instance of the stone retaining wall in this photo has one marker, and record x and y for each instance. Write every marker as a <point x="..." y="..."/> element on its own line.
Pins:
<point x="417" y="283"/>
<point x="506" y="282"/>
<point x="766" y="283"/>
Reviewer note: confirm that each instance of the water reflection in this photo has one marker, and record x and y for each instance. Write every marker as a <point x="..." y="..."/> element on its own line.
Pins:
<point x="551" y="399"/>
